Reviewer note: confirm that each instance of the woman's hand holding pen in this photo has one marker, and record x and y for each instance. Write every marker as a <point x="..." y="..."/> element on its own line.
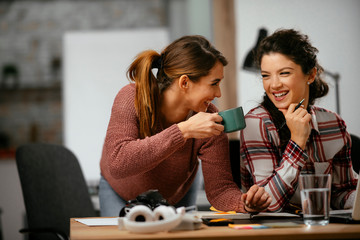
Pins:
<point x="298" y="121"/>
<point x="256" y="199"/>
<point x="201" y="125"/>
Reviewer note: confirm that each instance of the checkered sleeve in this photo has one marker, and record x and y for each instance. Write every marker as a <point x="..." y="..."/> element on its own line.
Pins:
<point x="344" y="179"/>
<point x="262" y="164"/>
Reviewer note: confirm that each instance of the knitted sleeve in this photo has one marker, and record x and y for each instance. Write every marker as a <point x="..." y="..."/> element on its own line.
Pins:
<point x="221" y="190"/>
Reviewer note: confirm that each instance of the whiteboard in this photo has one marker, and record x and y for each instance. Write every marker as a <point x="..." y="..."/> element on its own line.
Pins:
<point x="95" y="65"/>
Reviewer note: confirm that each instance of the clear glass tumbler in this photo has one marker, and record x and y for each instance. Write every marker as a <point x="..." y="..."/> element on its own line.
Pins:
<point x="315" y="190"/>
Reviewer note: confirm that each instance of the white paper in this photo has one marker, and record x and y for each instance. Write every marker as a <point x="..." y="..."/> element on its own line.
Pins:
<point x="341" y="211"/>
<point x="92" y="222"/>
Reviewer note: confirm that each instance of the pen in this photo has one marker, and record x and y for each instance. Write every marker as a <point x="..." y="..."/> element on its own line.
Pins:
<point x="297" y="106"/>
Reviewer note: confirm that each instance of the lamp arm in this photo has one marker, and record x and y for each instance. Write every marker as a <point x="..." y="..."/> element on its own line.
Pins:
<point x="336" y="77"/>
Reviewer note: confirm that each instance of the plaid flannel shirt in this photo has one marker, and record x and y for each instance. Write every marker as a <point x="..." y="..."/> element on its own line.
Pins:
<point x="327" y="151"/>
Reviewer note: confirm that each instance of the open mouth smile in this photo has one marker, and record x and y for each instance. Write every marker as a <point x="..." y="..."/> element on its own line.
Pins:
<point x="280" y="95"/>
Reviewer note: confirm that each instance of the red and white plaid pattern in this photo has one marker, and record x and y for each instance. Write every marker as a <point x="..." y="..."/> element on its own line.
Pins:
<point x="327" y="151"/>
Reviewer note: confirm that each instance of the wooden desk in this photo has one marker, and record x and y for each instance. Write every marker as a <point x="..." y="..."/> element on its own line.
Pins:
<point x="79" y="231"/>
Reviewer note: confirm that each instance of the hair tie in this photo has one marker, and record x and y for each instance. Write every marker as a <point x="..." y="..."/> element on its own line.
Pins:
<point x="157" y="63"/>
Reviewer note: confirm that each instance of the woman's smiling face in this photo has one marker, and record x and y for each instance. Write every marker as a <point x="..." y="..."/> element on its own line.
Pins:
<point x="206" y="89"/>
<point x="284" y="81"/>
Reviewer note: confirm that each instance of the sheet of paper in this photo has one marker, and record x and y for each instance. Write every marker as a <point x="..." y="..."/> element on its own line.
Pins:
<point x="341" y="211"/>
<point x="277" y="214"/>
<point x="98" y="221"/>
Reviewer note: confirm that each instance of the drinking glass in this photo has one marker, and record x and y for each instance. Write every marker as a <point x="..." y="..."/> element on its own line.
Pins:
<point x="315" y="190"/>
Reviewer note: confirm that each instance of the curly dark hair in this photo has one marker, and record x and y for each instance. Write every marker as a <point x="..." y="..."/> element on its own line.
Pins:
<point x="298" y="48"/>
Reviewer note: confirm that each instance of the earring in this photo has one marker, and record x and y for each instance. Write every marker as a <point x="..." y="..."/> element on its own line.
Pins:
<point x="308" y="83"/>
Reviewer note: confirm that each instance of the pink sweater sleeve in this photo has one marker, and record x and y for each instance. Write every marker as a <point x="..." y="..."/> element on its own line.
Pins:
<point x="221" y="190"/>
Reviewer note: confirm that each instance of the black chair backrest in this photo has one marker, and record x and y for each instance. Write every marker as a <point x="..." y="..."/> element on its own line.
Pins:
<point x="355" y="152"/>
<point x="53" y="186"/>
<point x="234" y="148"/>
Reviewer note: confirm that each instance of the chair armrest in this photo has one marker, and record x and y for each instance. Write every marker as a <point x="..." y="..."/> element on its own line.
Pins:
<point x="60" y="235"/>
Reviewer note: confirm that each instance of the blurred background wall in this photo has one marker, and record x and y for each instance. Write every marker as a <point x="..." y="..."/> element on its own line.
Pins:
<point x="32" y="61"/>
<point x="31" y="57"/>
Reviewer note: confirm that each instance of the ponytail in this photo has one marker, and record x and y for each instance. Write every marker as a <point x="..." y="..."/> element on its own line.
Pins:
<point x="147" y="98"/>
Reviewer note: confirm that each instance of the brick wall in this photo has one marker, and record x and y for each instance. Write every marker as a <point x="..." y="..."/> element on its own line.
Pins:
<point x="31" y="57"/>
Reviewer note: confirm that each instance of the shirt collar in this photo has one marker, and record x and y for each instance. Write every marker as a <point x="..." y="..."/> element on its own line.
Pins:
<point x="313" y="122"/>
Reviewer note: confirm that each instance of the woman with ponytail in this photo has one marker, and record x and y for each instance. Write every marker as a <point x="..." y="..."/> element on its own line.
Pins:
<point x="281" y="141"/>
<point x="160" y="126"/>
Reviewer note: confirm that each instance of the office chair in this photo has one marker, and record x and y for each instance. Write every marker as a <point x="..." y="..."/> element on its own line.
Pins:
<point x="234" y="148"/>
<point x="355" y="152"/>
<point x="54" y="190"/>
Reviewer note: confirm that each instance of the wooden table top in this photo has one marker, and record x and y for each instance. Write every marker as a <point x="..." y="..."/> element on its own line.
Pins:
<point x="79" y="231"/>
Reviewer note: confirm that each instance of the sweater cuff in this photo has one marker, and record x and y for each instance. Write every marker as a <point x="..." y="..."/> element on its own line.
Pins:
<point x="178" y="137"/>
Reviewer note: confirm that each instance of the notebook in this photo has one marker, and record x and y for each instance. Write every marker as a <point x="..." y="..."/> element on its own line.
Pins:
<point x="348" y="215"/>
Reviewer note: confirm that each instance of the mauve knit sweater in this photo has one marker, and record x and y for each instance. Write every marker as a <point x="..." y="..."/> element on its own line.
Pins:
<point x="164" y="161"/>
